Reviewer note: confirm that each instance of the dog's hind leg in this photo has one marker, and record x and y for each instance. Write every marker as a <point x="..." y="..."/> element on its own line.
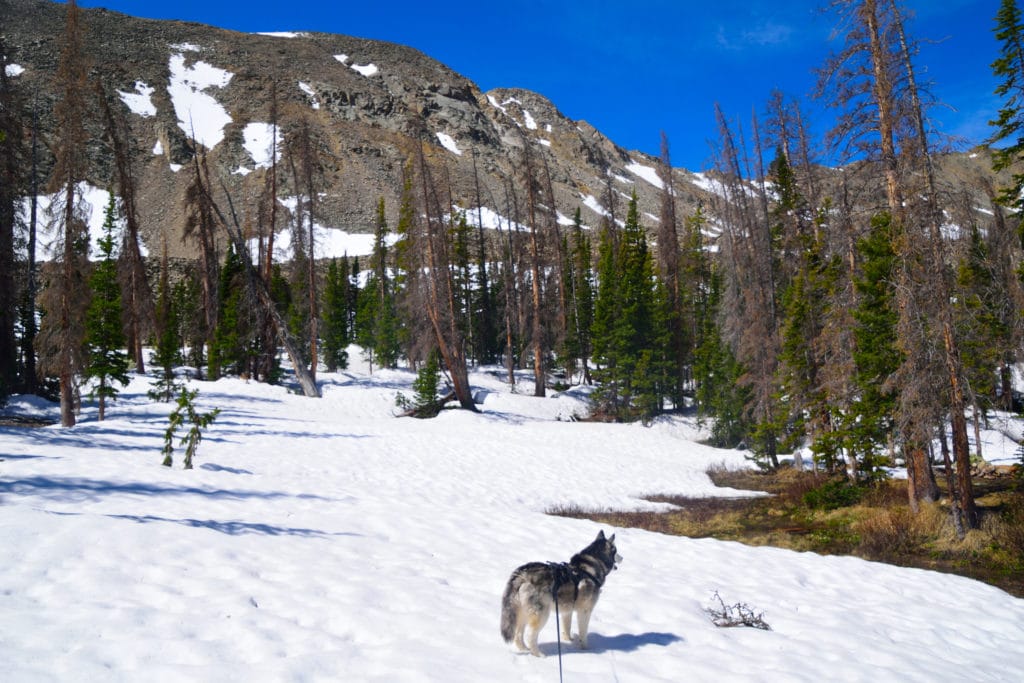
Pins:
<point x="520" y="627"/>
<point x="536" y="622"/>
<point x="566" y="625"/>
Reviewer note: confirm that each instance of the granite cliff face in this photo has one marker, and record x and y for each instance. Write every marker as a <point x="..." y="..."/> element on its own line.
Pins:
<point x="370" y="104"/>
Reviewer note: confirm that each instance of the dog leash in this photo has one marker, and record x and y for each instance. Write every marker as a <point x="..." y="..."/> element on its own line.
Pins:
<point x="558" y="568"/>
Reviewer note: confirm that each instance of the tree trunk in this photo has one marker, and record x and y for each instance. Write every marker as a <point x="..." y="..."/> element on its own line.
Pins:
<point x="957" y="406"/>
<point x="539" y="374"/>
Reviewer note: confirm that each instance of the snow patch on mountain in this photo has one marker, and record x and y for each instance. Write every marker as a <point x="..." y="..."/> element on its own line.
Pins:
<point x="366" y="69"/>
<point x="141" y="101"/>
<point x="199" y="114"/>
<point x="645" y="173"/>
<point x="260" y="141"/>
<point x="308" y="89"/>
<point x="448" y="142"/>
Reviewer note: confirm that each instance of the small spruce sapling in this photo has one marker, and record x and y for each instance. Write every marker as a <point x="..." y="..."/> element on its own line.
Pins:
<point x="104" y="337"/>
<point x="425" y="385"/>
<point x="185" y="409"/>
<point x="425" y="402"/>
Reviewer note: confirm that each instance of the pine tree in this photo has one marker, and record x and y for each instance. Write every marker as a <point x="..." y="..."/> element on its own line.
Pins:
<point x="719" y="394"/>
<point x="1009" y="124"/>
<point x="168" y="343"/>
<point x="579" y="282"/>
<point x="695" y="285"/>
<point x="186" y="410"/>
<point x="876" y="353"/>
<point x="190" y="320"/>
<point x="803" y="300"/>
<point x="12" y="176"/>
<point x="985" y="336"/>
<point x="629" y="326"/>
<point x="104" y="334"/>
<point x="376" y="318"/>
<point x="335" y="330"/>
<point x="230" y="350"/>
<point x="425" y="401"/>
<point x="607" y="312"/>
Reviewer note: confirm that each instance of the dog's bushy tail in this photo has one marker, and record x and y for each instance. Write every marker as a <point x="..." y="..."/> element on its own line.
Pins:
<point x="508" y="610"/>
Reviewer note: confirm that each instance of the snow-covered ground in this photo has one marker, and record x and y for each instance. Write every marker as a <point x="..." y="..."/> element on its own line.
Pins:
<point x="326" y="539"/>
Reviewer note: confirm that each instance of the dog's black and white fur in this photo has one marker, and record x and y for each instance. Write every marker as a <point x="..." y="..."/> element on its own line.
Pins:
<point x="529" y="594"/>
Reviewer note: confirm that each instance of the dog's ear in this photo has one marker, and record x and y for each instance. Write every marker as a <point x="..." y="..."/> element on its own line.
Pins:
<point x="600" y="535"/>
<point x="612" y="539"/>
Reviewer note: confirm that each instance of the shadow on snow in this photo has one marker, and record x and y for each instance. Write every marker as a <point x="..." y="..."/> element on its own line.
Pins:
<point x="235" y="527"/>
<point x="624" y="642"/>
<point x="72" y="489"/>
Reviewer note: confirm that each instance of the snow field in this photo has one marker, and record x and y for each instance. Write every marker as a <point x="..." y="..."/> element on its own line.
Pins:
<point x="325" y="539"/>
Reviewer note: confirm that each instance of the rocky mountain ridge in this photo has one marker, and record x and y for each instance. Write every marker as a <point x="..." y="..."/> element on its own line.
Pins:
<point x="370" y="103"/>
<point x="371" y="106"/>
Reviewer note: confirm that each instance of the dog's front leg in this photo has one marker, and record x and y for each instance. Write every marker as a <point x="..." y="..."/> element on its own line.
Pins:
<point x="583" y="623"/>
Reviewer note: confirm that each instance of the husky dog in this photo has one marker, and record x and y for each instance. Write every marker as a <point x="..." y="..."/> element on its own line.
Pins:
<point x="529" y="595"/>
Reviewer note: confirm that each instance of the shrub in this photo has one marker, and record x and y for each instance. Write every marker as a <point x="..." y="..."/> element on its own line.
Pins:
<point x="832" y="495"/>
<point x="897" y="531"/>
<point x="1009" y="532"/>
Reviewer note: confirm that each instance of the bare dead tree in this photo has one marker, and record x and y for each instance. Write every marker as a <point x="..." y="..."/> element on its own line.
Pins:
<point x="66" y="296"/>
<point x="136" y="293"/>
<point x="943" y="287"/>
<point x="200" y="226"/>
<point x="752" y="329"/>
<point x="431" y="240"/>
<point x="537" y="336"/>
<point x="668" y="254"/>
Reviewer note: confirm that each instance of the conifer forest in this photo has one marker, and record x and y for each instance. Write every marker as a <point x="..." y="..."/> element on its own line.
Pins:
<point x="852" y="299"/>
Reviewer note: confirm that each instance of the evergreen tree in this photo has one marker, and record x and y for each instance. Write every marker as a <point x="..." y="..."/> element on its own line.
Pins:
<point x="190" y="320"/>
<point x="168" y="343"/>
<point x="335" y="330"/>
<point x="12" y="186"/>
<point x="719" y="394"/>
<point x="876" y="353"/>
<point x="1009" y="124"/>
<point x="186" y="410"/>
<point x="695" y="287"/>
<point x="579" y="284"/>
<point x="803" y="301"/>
<point x="425" y="401"/>
<point x="629" y="326"/>
<point x="377" y="326"/>
<point x="462" y="276"/>
<point x="106" y="362"/>
<point x="985" y="337"/>
<point x="231" y="339"/>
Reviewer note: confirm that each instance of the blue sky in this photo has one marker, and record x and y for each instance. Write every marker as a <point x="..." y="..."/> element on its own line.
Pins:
<point x="633" y="69"/>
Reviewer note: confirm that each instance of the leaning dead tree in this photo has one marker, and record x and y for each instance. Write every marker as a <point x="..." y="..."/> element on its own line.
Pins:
<point x="255" y="283"/>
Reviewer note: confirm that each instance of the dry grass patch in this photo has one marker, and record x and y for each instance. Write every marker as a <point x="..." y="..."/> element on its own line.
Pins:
<point x="818" y="513"/>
